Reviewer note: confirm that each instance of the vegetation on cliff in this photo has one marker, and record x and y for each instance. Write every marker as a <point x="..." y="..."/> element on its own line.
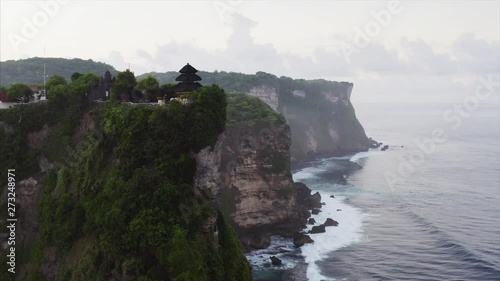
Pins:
<point x="319" y="112"/>
<point x="319" y="122"/>
<point x="30" y="71"/>
<point x="247" y="109"/>
<point x="112" y="208"/>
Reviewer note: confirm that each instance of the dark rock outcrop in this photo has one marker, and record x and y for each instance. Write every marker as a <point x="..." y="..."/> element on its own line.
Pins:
<point x="331" y="222"/>
<point x="311" y="221"/>
<point x="299" y="239"/>
<point x="315" y="200"/>
<point x="318" y="229"/>
<point x="315" y="211"/>
<point x="275" y="261"/>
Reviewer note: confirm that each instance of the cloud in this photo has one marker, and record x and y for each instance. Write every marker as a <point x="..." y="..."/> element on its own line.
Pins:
<point x="413" y="71"/>
<point x="424" y="59"/>
<point x="115" y="58"/>
<point x="477" y="55"/>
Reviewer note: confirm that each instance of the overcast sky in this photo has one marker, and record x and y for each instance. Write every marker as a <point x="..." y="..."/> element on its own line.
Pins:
<point x="391" y="50"/>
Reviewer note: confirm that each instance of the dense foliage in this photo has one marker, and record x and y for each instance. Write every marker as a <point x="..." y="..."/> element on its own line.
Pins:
<point x="19" y="92"/>
<point x="125" y="82"/>
<point x="55" y="80"/>
<point x="30" y="71"/>
<point x="244" y="108"/>
<point x="114" y="208"/>
<point x="148" y="85"/>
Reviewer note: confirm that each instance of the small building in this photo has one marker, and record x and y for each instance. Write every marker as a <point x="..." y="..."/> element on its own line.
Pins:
<point x="188" y="80"/>
<point x="102" y="91"/>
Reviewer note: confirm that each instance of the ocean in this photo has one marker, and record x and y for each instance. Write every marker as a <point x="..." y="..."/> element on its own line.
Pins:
<point x="428" y="208"/>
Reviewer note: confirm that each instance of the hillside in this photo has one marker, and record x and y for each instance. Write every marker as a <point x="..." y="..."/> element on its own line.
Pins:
<point x="30" y="71"/>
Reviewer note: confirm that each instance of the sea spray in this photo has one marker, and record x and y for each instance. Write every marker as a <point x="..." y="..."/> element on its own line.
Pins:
<point x="348" y="231"/>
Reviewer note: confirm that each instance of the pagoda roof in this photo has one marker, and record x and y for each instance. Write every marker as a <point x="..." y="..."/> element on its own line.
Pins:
<point x="188" y="77"/>
<point x="186" y="87"/>
<point x="188" y="69"/>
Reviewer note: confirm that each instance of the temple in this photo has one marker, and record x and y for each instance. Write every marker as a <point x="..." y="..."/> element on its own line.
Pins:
<point x="188" y="80"/>
<point x="102" y="91"/>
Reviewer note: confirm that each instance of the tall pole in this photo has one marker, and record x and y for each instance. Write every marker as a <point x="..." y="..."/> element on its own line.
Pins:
<point x="44" y="74"/>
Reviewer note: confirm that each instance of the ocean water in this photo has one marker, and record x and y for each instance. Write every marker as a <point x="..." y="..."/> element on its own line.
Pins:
<point x="422" y="210"/>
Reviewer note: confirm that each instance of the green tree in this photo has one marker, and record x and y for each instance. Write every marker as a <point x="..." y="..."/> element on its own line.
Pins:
<point x="19" y="91"/>
<point x="57" y="92"/>
<point x="125" y="81"/>
<point x="75" y="76"/>
<point x="149" y="86"/>
<point x="55" y="80"/>
<point x="90" y="79"/>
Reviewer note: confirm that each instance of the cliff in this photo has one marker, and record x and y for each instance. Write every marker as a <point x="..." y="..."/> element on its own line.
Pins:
<point x="320" y="114"/>
<point x="152" y="192"/>
<point x="107" y="192"/>
<point x="249" y="172"/>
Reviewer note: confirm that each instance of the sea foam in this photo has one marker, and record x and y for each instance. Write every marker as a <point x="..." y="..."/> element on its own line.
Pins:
<point x="348" y="231"/>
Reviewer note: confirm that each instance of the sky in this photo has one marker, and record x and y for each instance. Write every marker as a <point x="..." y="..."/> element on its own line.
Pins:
<point x="393" y="51"/>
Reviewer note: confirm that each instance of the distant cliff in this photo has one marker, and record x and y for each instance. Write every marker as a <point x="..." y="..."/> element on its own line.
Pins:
<point x="30" y="71"/>
<point x="319" y="112"/>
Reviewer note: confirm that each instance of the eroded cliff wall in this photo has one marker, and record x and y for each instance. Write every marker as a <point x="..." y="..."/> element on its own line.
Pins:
<point x="320" y="114"/>
<point x="249" y="173"/>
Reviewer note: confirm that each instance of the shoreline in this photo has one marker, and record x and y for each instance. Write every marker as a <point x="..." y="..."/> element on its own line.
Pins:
<point x="300" y="268"/>
<point x="306" y="162"/>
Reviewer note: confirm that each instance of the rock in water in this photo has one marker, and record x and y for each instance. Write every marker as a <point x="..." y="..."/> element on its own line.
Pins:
<point x="318" y="229"/>
<point x="299" y="239"/>
<point x="332" y="196"/>
<point x="311" y="221"/>
<point x="275" y="261"/>
<point x="331" y="222"/>
<point x="315" y="211"/>
<point x="315" y="200"/>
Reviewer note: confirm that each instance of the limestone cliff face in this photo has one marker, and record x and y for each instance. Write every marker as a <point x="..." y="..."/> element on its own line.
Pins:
<point x="249" y="174"/>
<point x="266" y="93"/>
<point x="248" y="171"/>
<point x="320" y="114"/>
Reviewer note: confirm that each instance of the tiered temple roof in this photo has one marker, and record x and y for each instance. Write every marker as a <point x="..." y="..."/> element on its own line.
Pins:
<point x="187" y="80"/>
